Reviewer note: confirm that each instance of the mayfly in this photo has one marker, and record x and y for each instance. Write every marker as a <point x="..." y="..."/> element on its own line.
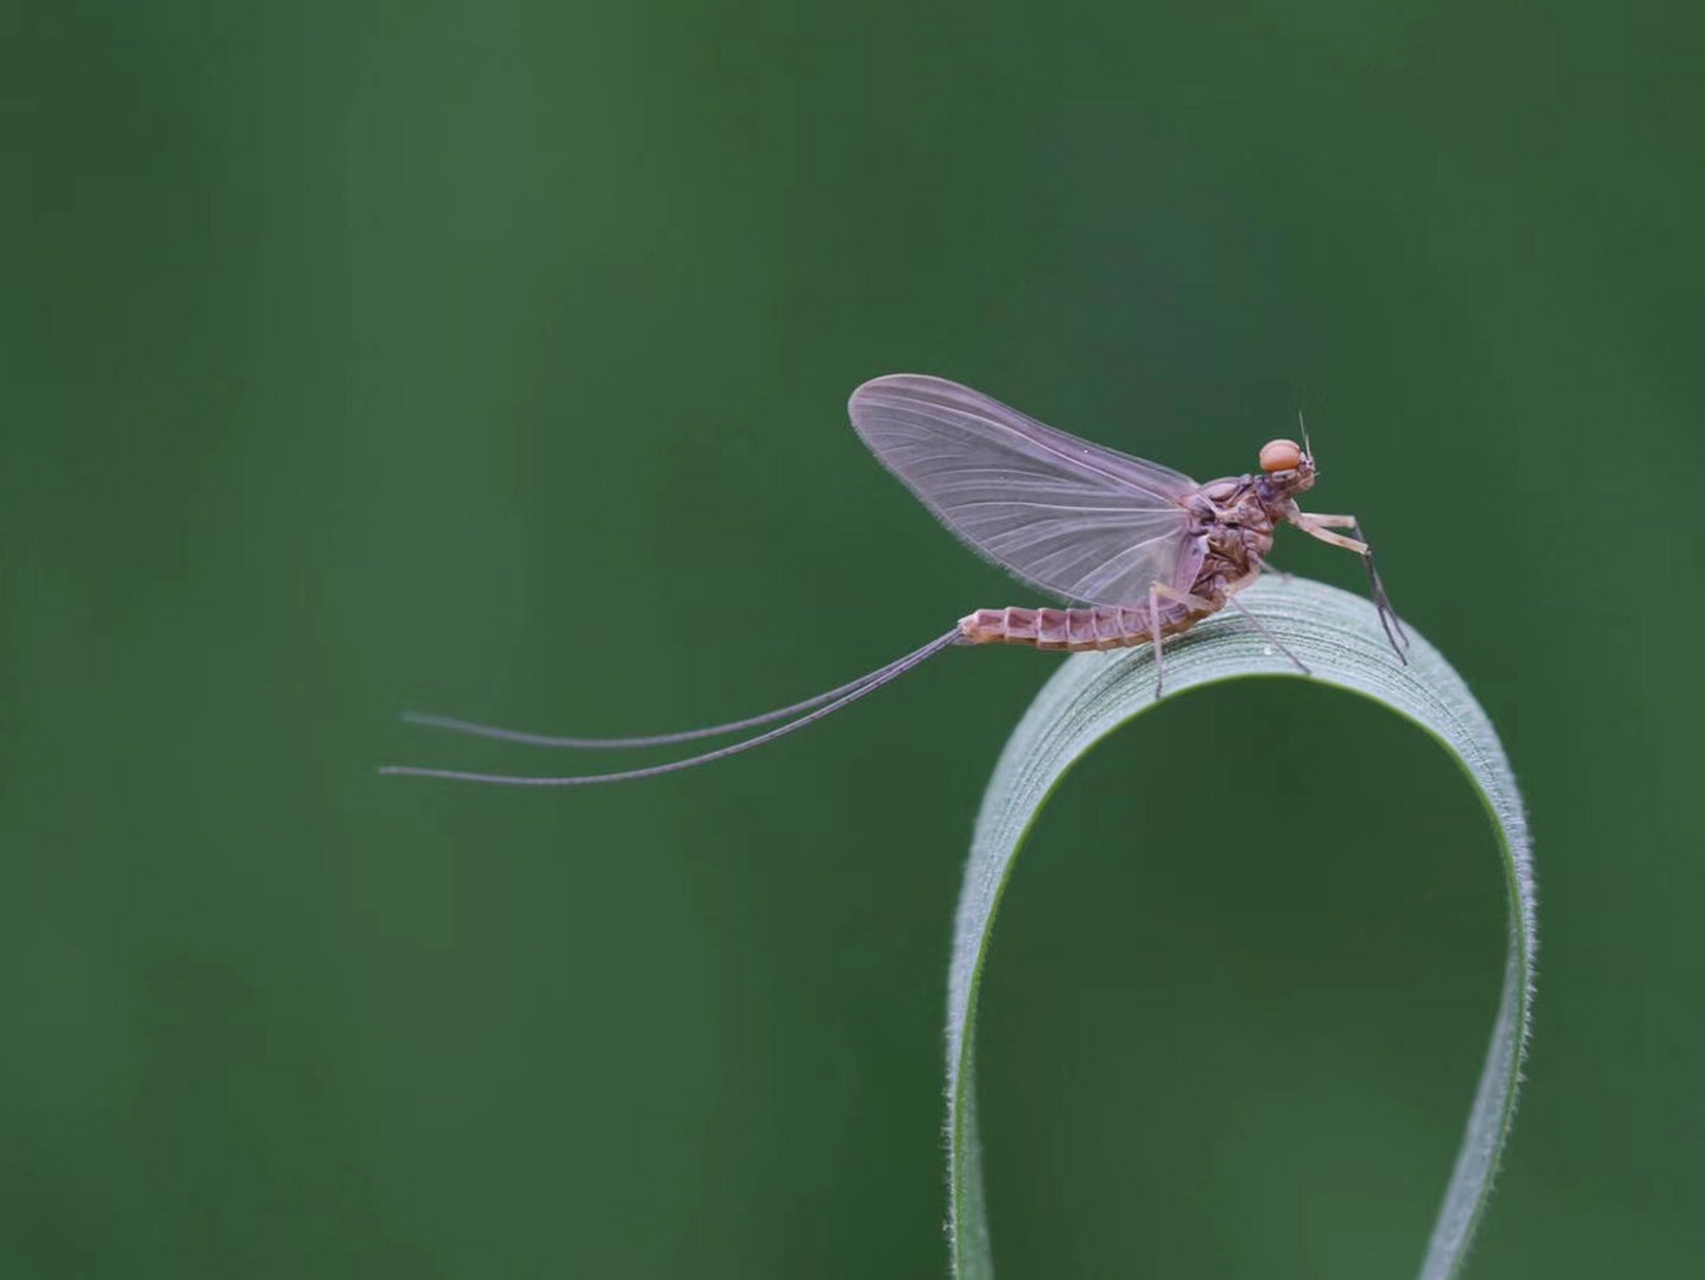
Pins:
<point x="1139" y="551"/>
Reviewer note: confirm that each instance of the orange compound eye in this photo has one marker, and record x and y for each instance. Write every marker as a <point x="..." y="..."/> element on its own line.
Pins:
<point x="1280" y="455"/>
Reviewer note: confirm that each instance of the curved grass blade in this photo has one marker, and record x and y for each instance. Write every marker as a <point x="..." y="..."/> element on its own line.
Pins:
<point x="1338" y="635"/>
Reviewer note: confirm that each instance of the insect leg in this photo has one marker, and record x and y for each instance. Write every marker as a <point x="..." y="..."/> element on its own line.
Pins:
<point x="1208" y="606"/>
<point x="1319" y="526"/>
<point x="1376" y="588"/>
<point x="1316" y="526"/>
<point x="1271" y="638"/>
<point x="1197" y="603"/>
<point x="1154" y="633"/>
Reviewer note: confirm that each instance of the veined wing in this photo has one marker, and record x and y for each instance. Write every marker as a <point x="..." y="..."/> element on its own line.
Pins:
<point x="1071" y="518"/>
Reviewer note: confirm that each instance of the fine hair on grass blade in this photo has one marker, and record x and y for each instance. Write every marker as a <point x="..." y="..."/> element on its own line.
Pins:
<point x="1341" y="639"/>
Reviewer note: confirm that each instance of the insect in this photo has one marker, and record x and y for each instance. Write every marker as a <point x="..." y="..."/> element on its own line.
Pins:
<point x="1140" y="551"/>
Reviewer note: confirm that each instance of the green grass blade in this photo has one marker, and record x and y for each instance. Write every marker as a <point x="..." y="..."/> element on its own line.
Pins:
<point x="1338" y="635"/>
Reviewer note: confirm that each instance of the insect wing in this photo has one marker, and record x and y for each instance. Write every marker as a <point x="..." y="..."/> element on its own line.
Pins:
<point x="1071" y="518"/>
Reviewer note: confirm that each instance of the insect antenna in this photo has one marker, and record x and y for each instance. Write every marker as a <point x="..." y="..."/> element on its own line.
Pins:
<point x="1303" y="427"/>
<point x="847" y="695"/>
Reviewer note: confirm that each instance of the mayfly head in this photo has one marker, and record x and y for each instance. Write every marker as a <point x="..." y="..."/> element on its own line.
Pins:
<point x="1288" y="466"/>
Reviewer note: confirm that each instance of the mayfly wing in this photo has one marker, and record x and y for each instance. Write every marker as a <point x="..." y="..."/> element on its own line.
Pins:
<point x="1071" y="518"/>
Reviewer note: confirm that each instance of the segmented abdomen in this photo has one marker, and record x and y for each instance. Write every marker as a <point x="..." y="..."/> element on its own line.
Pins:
<point x="1070" y="629"/>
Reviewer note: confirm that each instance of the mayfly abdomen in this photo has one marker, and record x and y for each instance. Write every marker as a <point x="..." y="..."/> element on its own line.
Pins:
<point x="1066" y="629"/>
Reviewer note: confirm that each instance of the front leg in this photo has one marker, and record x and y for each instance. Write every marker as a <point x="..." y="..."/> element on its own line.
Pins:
<point x="1315" y="526"/>
<point x="1321" y="526"/>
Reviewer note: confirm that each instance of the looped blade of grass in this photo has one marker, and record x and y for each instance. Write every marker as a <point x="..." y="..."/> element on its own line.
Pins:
<point x="1339" y="637"/>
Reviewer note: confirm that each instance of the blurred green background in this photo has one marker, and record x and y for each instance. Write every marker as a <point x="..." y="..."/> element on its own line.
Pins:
<point x="491" y="359"/>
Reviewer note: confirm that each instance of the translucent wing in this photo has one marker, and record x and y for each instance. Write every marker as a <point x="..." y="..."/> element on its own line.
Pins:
<point x="1070" y="518"/>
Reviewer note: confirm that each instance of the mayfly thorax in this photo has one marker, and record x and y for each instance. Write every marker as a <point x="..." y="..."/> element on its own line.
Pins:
<point x="1142" y="552"/>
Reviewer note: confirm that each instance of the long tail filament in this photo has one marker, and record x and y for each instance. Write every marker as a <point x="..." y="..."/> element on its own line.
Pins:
<point x="807" y="712"/>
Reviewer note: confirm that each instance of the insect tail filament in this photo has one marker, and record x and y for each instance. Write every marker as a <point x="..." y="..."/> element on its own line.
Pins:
<point x="825" y="705"/>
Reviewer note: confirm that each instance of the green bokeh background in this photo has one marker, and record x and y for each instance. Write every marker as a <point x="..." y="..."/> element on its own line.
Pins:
<point x="491" y="359"/>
